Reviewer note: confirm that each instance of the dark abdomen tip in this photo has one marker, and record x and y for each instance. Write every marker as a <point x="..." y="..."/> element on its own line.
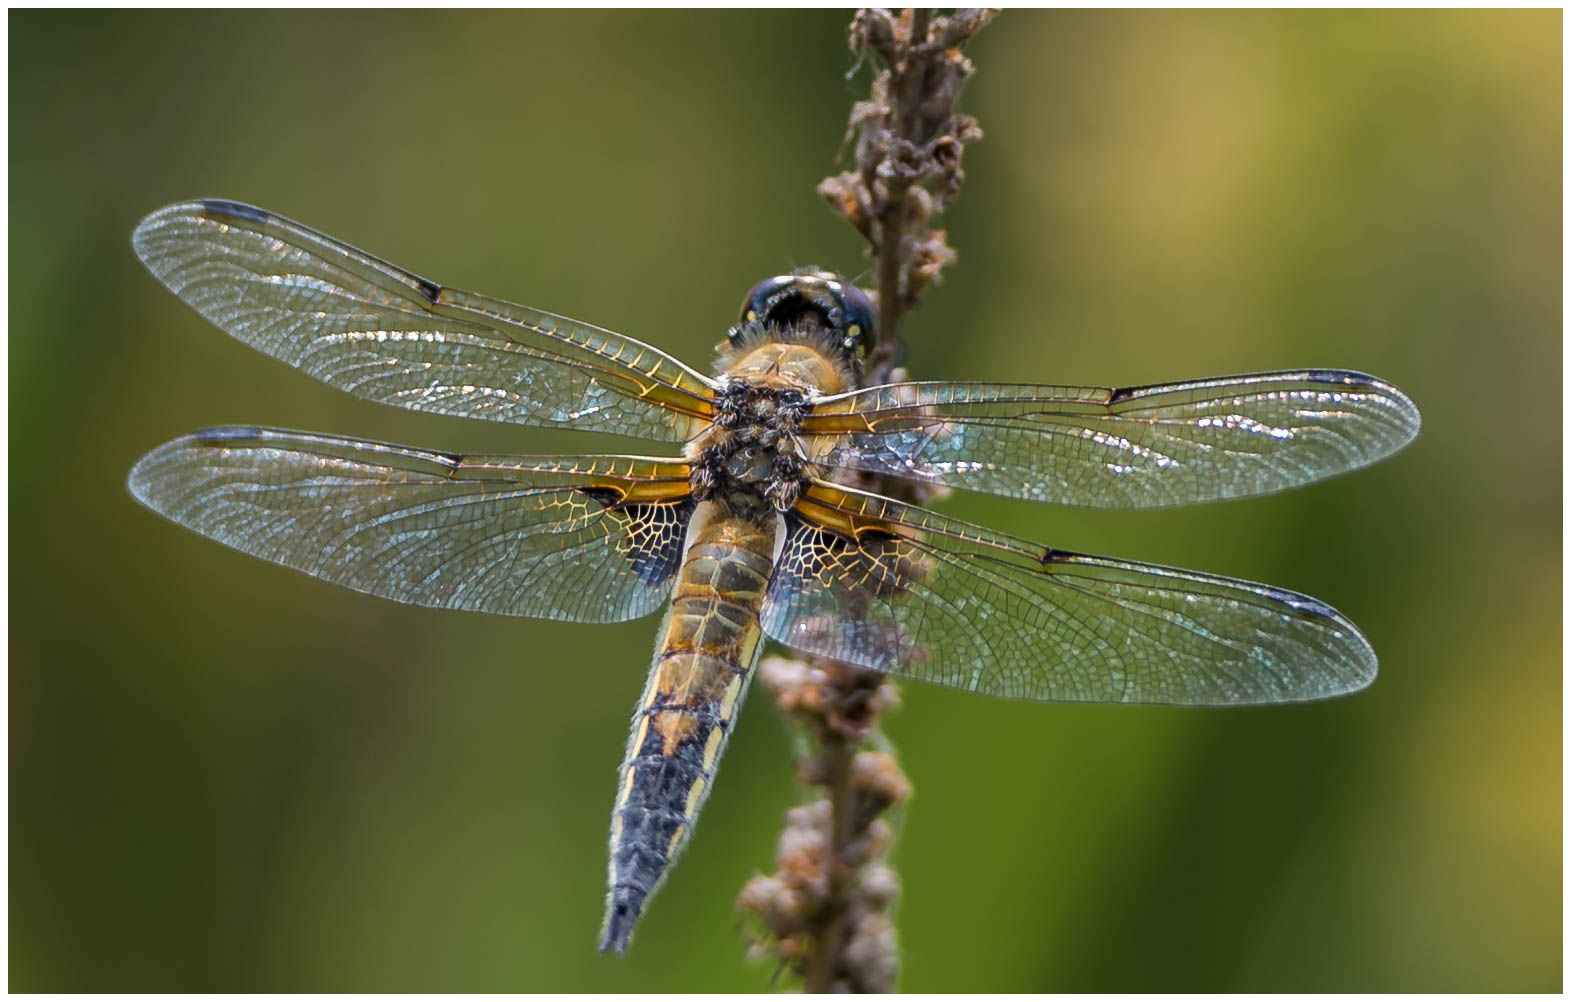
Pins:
<point x="621" y="915"/>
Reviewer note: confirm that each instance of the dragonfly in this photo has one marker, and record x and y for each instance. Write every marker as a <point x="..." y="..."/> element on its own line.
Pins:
<point x="755" y="527"/>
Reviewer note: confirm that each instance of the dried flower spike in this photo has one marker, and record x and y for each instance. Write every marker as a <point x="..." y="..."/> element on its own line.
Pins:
<point x="825" y="911"/>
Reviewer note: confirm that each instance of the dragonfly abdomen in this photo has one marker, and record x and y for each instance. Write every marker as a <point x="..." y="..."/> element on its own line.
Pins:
<point x="704" y="658"/>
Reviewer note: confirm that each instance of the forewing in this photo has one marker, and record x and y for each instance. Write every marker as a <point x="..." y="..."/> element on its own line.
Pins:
<point x="382" y="333"/>
<point x="873" y="582"/>
<point x="592" y="539"/>
<point x="1145" y="447"/>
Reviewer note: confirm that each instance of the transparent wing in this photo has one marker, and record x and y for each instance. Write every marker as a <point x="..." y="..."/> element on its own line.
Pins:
<point x="592" y="539"/>
<point x="1146" y="447"/>
<point x="381" y="333"/>
<point x="872" y="582"/>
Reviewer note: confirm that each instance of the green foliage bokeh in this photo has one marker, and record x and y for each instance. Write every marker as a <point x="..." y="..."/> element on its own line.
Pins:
<point x="225" y="775"/>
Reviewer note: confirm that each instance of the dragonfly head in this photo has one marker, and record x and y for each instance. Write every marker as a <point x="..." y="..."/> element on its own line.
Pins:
<point x="812" y="300"/>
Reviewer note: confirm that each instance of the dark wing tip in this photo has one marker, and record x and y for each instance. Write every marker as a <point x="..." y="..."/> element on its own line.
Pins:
<point x="236" y="210"/>
<point x="1350" y="654"/>
<point x="1347" y="377"/>
<point x="1358" y="655"/>
<point x="224" y="433"/>
<point x="144" y="478"/>
<point x="1413" y="421"/>
<point x="136" y="482"/>
<point x="1352" y="379"/>
<point x="1300" y="603"/>
<point x="216" y="208"/>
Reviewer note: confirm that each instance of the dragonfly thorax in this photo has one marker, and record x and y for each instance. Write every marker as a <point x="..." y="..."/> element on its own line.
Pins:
<point x="749" y="457"/>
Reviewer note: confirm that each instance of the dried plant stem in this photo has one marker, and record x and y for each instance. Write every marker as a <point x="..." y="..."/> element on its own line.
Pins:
<point x="821" y="965"/>
<point x="891" y="216"/>
<point x="826" y="906"/>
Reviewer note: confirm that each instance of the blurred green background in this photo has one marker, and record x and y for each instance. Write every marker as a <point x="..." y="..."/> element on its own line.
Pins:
<point x="225" y="775"/>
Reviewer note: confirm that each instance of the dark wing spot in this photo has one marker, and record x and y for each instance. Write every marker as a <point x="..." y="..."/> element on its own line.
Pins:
<point x="1120" y="395"/>
<point x="430" y="290"/>
<point x="605" y="497"/>
<point x="1051" y="556"/>
<point x="240" y="210"/>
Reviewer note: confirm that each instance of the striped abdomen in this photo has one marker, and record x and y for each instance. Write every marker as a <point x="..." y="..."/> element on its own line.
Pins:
<point x="704" y="659"/>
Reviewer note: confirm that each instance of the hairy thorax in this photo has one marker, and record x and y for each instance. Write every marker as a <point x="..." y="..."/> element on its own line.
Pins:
<point x="750" y="458"/>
